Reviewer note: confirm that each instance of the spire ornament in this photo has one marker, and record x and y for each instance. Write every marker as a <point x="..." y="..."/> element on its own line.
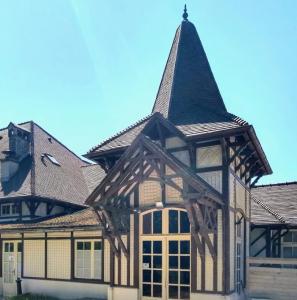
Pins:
<point x="185" y="14"/>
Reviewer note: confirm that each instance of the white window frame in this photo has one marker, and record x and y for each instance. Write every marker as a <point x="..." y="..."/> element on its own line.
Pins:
<point x="92" y="259"/>
<point x="291" y="244"/>
<point x="11" y="207"/>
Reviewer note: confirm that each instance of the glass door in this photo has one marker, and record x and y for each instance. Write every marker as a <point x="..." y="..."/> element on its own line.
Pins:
<point x="165" y="268"/>
<point x="179" y="269"/>
<point x="12" y="264"/>
<point x="152" y="268"/>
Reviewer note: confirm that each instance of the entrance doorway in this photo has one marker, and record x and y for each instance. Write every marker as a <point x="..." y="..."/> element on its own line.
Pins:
<point x="165" y="262"/>
<point x="12" y="264"/>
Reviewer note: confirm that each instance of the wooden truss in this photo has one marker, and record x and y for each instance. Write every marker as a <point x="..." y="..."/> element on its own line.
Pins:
<point x="148" y="160"/>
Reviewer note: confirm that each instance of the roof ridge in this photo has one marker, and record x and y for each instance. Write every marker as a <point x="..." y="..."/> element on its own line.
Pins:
<point x="120" y="133"/>
<point x="269" y="209"/>
<point x="275" y="184"/>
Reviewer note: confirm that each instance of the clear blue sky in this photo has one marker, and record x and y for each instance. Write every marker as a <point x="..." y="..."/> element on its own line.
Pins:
<point x="85" y="69"/>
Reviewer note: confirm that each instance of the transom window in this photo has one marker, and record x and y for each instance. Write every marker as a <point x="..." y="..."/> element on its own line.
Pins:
<point x="88" y="259"/>
<point x="9" y="209"/>
<point x="165" y="221"/>
<point x="290" y="244"/>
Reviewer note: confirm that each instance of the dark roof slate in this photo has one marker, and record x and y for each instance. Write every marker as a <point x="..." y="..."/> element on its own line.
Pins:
<point x="82" y="218"/>
<point x="188" y="89"/>
<point x="38" y="176"/>
<point x="274" y="204"/>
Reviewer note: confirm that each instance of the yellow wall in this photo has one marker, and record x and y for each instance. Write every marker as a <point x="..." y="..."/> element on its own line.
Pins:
<point x="34" y="258"/>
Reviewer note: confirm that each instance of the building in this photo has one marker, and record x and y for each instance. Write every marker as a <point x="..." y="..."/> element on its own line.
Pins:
<point x="168" y="203"/>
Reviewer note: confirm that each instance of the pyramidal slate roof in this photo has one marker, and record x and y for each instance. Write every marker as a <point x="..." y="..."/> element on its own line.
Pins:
<point x="188" y="91"/>
<point x="188" y="95"/>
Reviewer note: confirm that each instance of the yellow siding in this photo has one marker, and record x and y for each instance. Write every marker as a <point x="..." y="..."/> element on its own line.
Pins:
<point x="209" y="156"/>
<point x="58" y="259"/>
<point x="231" y="190"/>
<point x="172" y="195"/>
<point x="124" y="264"/>
<point x="96" y="233"/>
<point x="34" y="260"/>
<point x="116" y="266"/>
<point x="220" y="252"/>
<point x="174" y="142"/>
<point x="232" y="245"/>
<point x="199" y="271"/>
<point x="213" y="178"/>
<point x="150" y="192"/>
<point x="240" y="196"/>
<point x="33" y="234"/>
<point x="131" y="249"/>
<point x="59" y="234"/>
<point x="11" y="235"/>
<point x="106" y="261"/>
<point x="208" y="268"/>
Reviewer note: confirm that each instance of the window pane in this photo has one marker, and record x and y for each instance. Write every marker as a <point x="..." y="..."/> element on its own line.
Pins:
<point x="184" y="292"/>
<point x="157" y="276"/>
<point x="146" y="290"/>
<point x="146" y="276"/>
<point x="173" y="277"/>
<point x="157" y="247"/>
<point x="147" y="223"/>
<point x="185" y="247"/>
<point x="146" y="259"/>
<point x="97" y="246"/>
<point x="173" y="247"/>
<point x="87" y="245"/>
<point x="287" y="252"/>
<point x="20" y="247"/>
<point x="294" y="252"/>
<point x="157" y="221"/>
<point x="173" y="292"/>
<point x="157" y="262"/>
<point x="146" y="247"/>
<point x="184" y="222"/>
<point x="173" y="221"/>
<point x="157" y="290"/>
<point x="79" y="245"/>
<point x="288" y="237"/>
<point x="185" y="262"/>
<point x="184" y="277"/>
<point x="173" y="262"/>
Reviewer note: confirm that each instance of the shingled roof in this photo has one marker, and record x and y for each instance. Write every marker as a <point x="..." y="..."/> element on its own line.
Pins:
<point x="85" y="218"/>
<point x="39" y="176"/>
<point x="274" y="204"/>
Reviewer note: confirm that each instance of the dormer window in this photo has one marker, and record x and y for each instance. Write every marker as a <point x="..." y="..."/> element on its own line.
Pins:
<point x="9" y="209"/>
<point x="51" y="159"/>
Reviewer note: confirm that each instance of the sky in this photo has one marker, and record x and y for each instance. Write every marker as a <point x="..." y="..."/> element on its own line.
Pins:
<point x="86" y="69"/>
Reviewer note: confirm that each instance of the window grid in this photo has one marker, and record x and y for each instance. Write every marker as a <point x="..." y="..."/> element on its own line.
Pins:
<point x="289" y="244"/>
<point x="88" y="259"/>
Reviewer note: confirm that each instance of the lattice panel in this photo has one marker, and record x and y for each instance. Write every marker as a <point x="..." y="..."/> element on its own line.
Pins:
<point x="150" y="192"/>
<point x="58" y="259"/>
<point x="34" y="258"/>
<point x="174" y="142"/>
<point x="213" y="178"/>
<point x="172" y="195"/>
<point x="209" y="156"/>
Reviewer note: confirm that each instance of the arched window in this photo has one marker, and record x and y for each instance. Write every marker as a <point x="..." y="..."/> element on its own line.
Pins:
<point x="165" y="221"/>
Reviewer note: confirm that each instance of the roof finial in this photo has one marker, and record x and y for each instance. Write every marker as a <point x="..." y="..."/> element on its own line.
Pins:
<point x="185" y="14"/>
